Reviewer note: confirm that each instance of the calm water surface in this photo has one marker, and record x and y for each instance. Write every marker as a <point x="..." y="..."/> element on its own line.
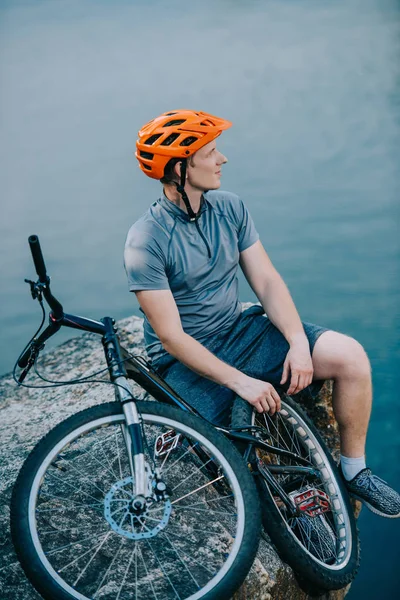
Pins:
<point x="313" y="90"/>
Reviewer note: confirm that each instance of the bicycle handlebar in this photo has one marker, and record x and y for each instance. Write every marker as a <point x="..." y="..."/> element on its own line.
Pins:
<point x="40" y="267"/>
<point x="54" y="304"/>
<point x="38" y="259"/>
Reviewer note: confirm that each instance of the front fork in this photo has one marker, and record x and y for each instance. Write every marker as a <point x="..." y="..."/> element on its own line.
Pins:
<point x="132" y="433"/>
<point x="131" y="429"/>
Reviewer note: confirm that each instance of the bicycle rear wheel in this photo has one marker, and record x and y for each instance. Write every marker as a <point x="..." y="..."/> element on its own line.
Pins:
<point x="322" y="548"/>
<point x="76" y="533"/>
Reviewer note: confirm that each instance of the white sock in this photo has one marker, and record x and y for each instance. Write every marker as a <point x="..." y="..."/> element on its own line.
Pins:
<point x="351" y="466"/>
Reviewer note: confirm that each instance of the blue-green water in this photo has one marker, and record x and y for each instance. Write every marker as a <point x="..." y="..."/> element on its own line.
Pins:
<point x="313" y="90"/>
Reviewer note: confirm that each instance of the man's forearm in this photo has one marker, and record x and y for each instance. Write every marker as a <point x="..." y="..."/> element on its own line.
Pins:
<point x="279" y="306"/>
<point x="197" y="358"/>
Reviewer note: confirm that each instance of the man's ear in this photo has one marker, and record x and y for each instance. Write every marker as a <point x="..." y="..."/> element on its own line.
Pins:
<point x="177" y="169"/>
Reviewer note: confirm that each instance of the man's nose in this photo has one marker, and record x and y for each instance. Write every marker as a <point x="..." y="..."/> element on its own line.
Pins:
<point x="222" y="159"/>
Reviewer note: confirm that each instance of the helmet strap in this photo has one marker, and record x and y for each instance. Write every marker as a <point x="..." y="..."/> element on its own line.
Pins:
<point x="181" y="189"/>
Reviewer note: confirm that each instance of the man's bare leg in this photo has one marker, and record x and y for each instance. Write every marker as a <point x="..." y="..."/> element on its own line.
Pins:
<point x="352" y="400"/>
<point x="341" y="358"/>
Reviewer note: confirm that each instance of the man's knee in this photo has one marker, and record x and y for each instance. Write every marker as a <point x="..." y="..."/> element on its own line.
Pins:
<point x="338" y="355"/>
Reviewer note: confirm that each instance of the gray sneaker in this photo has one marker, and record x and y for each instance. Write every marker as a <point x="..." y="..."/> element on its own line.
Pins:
<point x="374" y="493"/>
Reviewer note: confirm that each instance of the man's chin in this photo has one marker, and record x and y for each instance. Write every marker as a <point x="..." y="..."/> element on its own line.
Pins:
<point x="215" y="186"/>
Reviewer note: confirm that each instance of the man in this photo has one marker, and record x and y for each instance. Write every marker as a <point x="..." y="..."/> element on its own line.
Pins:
<point x="181" y="259"/>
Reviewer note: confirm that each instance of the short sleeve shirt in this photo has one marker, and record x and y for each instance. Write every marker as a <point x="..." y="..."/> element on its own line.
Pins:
<point x="197" y="261"/>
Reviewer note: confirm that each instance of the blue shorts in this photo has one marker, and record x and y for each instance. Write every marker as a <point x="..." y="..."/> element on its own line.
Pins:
<point x="254" y="346"/>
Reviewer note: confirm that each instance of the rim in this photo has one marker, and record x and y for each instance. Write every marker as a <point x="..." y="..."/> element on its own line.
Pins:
<point x="228" y="524"/>
<point x="326" y="538"/>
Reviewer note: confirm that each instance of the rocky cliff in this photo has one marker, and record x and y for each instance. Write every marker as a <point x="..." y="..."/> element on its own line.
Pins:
<point x="28" y="414"/>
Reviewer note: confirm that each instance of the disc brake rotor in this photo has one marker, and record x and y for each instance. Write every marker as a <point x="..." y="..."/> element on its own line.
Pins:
<point x="122" y="518"/>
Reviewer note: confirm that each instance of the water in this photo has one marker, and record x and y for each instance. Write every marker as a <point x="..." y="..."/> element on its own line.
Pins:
<point x="313" y="91"/>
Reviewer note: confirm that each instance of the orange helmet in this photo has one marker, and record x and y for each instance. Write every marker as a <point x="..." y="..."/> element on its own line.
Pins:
<point x="175" y="134"/>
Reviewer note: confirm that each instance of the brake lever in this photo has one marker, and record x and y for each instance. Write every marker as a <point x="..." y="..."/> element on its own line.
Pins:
<point x="36" y="288"/>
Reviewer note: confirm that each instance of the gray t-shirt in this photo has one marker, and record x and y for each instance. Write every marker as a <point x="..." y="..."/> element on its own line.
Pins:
<point x="197" y="262"/>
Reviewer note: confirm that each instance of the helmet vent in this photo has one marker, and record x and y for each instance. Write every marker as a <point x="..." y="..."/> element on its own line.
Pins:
<point x="147" y="155"/>
<point x="170" y="114"/>
<point x="170" y="139"/>
<point x="153" y="138"/>
<point x="207" y="124"/>
<point x="174" y="122"/>
<point x="188" y="141"/>
<point x="146" y="166"/>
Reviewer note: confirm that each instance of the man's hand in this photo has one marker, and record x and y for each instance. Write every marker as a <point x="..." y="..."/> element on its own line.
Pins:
<point x="299" y="363"/>
<point x="260" y="394"/>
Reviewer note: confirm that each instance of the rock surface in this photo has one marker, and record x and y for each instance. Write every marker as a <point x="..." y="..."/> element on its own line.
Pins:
<point x="27" y="414"/>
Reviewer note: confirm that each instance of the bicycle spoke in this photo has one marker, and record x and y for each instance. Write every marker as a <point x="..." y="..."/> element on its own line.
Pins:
<point x="51" y="531"/>
<point x="271" y="422"/>
<point x="84" y="477"/>
<point x="215" y="512"/>
<point x="96" y="507"/>
<point x="191" y="558"/>
<point x="82" y="555"/>
<point x="107" y="468"/>
<point x="102" y="443"/>
<point x="192" y="474"/>
<point x="126" y="573"/>
<point x="163" y="570"/>
<point x="167" y="457"/>
<point x="292" y="434"/>
<point x="208" y="501"/>
<point x="188" y="451"/>
<point x="80" y="541"/>
<point x="82" y="452"/>
<point x="92" y="558"/>
<point x="147" y="574"/>
<point x="202" y="530"/>
<point x="213" y="500"/>
<point x="72" y="486"/>
<point x="74" y="502"/>
<point x="198" y="489"/>
<point x="184" y="564"/>
<point x="108" y="570"/>
<point x="136" y="569"/>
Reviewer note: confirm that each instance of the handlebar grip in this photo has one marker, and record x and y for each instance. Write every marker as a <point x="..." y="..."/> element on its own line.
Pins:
<point x="23" y="361"/>
<point x="38" y="258"/>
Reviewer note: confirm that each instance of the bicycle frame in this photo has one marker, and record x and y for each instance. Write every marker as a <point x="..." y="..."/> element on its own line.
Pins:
<point x="122" y="366"/>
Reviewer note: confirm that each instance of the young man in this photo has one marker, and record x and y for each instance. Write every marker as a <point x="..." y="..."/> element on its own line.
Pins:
<point x="181" y="259"/>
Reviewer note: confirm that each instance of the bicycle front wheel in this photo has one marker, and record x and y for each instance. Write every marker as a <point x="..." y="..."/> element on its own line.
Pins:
<point x="78" y="536"/>
<point x="320" y="543"/>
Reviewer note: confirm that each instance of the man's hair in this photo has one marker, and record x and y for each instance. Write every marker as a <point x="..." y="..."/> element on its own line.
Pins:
<point x="169" y="174"/>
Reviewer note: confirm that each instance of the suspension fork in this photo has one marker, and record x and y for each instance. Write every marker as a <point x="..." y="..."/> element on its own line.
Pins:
<point x="131" y="429"/>
<point x="133" y="438"/>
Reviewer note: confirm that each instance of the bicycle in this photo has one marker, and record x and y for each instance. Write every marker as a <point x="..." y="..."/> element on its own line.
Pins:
<point x="130" y="499"/>
<point x="291" y="481"/>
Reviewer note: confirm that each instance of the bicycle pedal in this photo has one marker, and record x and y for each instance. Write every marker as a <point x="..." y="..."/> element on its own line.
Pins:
<point x="312" y="502"/>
